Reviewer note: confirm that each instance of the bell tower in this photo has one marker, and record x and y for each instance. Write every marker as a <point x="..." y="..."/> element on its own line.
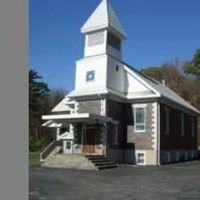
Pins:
<point x="100" y="68"/>
<point x="103" y="32"/>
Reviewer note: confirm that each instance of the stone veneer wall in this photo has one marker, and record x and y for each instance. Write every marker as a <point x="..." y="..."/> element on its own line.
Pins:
<point x="123" y="112"/>
<point x="143" y="141"/>
<point x="130" y="142"/>
<point x="90" y="106"/>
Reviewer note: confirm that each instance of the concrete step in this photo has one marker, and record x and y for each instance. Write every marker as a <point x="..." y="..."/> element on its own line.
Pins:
<point x="94" y="156"/>
<point x="107" y="166"/>
<point x="101" y="162"/>
<point x="104" y="163"/>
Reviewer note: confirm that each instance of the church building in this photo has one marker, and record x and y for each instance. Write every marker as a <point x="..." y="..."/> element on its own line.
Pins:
<point x="117" y="112"/>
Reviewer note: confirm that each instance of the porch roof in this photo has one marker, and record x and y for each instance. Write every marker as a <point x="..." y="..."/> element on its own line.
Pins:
<point x="74" y="118"/>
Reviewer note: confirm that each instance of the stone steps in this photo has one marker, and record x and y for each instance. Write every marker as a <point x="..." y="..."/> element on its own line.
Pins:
<point x="101" y="162"/>
<point x="78" y="161"/>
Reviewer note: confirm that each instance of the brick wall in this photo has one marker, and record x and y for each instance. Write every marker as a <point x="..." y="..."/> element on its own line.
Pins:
<point x="123" y="112"/>
<point x="174" y="140"/>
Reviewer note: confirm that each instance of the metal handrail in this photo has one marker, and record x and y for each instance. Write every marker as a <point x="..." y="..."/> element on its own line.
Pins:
<point x="48" y="150"/>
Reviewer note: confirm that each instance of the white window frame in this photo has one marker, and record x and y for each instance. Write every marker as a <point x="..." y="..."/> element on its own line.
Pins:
<point x="182" y="124"/>
<point x="167" y="116"/>
<point x="140" y="152"/>
<point x="145" y="121"/>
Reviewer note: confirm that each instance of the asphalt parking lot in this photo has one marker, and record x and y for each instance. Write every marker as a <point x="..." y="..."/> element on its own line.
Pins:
<point x="169" y="182"/>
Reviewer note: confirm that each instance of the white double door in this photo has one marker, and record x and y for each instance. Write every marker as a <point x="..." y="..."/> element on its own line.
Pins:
<point x="67" y="146"/>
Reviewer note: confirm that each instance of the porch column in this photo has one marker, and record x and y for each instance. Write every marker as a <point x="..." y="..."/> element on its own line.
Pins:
<point x="57" y="133"/>
<point x="104" y="137"/>
<point x="71" y="130"/>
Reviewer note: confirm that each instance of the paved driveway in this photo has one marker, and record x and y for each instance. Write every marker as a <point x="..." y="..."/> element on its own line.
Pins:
<point x="169" y="182"/>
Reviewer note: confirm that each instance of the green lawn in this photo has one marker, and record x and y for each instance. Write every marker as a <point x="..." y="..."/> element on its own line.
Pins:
<point x="34" y="158"/>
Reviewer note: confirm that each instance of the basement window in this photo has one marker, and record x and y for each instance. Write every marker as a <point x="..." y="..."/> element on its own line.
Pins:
<point x="140" y="158"/>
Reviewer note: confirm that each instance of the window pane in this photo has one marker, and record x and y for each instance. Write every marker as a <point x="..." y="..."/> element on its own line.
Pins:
<point x="140" y="127"/>
<point x="140" y="115"/>
<point x="68" y="146"/>
<point x="140" y="158"/>
<point x="114" y="41"/>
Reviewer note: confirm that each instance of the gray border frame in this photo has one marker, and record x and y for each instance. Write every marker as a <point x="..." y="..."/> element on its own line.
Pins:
<point x="13" y="100"/>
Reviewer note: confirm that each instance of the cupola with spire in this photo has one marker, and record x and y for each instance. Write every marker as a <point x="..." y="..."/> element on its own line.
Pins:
<point x="103" y="31"/>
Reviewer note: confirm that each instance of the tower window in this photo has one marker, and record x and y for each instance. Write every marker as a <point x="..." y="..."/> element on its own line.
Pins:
<point x="117" y="68"/>
<point x="90" y="76"/>
<point x="95" y="38"/>
<point x="114" y="41"/>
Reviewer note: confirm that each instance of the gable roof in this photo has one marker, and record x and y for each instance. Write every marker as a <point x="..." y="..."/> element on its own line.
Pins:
<point x="163" y="90"/>
<point x="103" y="17"/>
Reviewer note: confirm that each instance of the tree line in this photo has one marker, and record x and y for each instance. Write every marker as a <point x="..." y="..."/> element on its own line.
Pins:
<point x="182" y="77"/>
<point x="41" y="102"/>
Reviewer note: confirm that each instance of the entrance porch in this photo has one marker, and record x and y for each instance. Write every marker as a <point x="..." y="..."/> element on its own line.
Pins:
<point x="81" y="133"/>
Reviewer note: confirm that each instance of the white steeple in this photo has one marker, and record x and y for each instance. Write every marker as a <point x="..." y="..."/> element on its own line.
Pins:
<point x="101" y="67"/>
<point x="103" y="32"/>
<point x="103" y="17"/>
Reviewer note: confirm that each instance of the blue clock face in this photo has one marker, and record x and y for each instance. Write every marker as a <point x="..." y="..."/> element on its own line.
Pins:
<point x="90" y="75"/>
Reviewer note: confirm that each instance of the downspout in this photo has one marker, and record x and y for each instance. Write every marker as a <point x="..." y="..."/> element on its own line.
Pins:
<point x="158" y="133"/>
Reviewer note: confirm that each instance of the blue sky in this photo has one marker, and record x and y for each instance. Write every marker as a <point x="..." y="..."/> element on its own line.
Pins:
<point x="158" y="31"/>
